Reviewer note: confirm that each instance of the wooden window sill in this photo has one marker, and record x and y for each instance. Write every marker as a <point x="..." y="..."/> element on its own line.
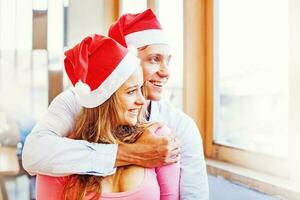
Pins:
<point x="268" y="184"/>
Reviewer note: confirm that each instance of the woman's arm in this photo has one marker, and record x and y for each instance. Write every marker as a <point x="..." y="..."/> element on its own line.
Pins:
<point x="168" y="180"/>
<point x="168" y="175"/>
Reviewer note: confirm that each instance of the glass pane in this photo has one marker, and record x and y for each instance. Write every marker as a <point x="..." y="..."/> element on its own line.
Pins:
<point x="172" y="11"/>
<point x="39" y="4"/>
<point x="23" y="82"/>
<point x="7" y="24"/>
<point x="24" y="71"/>
<point x="55" y="27"/>
<point x="131" y="6"/>
<point x="251" y="75"/>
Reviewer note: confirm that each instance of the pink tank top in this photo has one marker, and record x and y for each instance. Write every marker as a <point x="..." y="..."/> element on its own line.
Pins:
<point x="51" y="188"/>
<point x="160" y="183"/>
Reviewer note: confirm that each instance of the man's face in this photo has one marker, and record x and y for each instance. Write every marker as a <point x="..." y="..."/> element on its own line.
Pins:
<point x="155" y="64"/>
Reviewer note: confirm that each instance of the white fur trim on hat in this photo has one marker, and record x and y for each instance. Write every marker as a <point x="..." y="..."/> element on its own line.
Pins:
<point x="82" y="88"/>
<point x="146" y="37"/>
<point x="133" y="50"/>
<point x="111" y="84"/>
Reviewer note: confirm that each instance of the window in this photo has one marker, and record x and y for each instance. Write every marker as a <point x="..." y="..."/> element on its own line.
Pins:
<point x="251" y="75"/>
<point x="250" y="59"/>
<point x="170" y="11"/>
<point x="131" y="6"/>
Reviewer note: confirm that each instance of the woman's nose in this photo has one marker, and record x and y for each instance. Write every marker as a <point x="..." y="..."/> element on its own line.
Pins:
<point x="140" y="99"/>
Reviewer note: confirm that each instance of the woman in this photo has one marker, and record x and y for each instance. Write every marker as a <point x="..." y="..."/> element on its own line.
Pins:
<point x="107" y="80"/>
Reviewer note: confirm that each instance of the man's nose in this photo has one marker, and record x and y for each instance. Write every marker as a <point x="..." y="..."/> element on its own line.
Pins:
<point x="164" y="70"/>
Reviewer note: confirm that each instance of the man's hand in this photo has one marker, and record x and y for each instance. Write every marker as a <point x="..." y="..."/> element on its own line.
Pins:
<point x="149" y="150"/>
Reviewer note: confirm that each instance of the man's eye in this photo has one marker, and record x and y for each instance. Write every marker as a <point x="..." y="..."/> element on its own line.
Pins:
<point x="154" y="59"/>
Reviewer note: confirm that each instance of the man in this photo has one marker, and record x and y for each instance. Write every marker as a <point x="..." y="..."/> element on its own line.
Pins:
<point x="67" y="156"/>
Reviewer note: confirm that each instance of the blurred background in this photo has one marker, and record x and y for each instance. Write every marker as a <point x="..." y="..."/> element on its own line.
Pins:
<point x="235" y="70"/>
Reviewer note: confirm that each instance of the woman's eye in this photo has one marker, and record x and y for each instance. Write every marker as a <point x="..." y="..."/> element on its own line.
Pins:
<point x="131" y="91"/>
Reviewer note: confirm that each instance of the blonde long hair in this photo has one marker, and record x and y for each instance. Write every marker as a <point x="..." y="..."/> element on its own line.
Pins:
<point x="100" y="125"/>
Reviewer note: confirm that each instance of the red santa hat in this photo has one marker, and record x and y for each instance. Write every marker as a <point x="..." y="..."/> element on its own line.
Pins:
<point x="138" y="30"/>
<point x="97" y="67"/>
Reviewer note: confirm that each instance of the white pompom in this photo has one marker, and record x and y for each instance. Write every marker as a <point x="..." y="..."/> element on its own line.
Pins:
<point x="133" y="50"/>
<point x="82" y="88"/>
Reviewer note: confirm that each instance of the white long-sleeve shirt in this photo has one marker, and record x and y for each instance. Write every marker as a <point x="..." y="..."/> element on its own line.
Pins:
<point x="48" y="151"/>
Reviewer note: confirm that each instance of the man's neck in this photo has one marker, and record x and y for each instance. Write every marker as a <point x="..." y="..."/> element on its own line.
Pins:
<point x="148" y="103"/>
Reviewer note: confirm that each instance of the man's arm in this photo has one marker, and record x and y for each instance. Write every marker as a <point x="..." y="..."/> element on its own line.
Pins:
<point x="47" y="151"/>
<point x="193" y="176"/>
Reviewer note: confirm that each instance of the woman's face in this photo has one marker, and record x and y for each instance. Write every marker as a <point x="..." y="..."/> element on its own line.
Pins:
<point x="131" y="99"/>
<point x="155" y="64"/>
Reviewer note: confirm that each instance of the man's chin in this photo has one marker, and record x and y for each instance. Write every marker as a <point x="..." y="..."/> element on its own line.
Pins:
<point x="154" y="97"/>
